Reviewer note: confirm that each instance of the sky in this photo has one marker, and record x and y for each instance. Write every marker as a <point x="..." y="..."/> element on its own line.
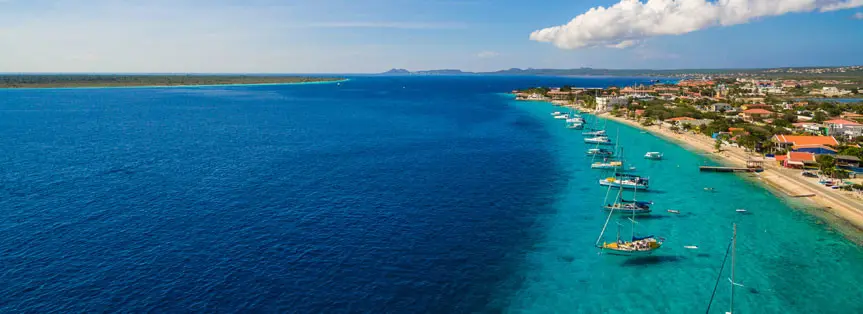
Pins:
<point x="371" y="36"/>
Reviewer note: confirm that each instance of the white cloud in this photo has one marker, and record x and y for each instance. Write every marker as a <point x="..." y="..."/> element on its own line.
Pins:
<point x="628" y="21"/>
<point x="858" y="15"/>
<point x="842" y="5"/>
<point x="488" y="54"/>
<point x="623" y="44"/>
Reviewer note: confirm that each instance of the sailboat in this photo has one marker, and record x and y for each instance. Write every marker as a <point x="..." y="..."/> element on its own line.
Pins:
<point x="637" y="246"/>
<point x="602" y="140"/>
<point x="594" y="133"/>
<point x="612" y="164"/>
<point x="732" y="247"/>
<point x="627" y="206"/>
<point x="626" y="181"/>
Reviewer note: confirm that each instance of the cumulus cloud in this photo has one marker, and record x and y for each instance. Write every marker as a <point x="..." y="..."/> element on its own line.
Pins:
<point x="487" y="54"/>
<point x="629" y="21"/>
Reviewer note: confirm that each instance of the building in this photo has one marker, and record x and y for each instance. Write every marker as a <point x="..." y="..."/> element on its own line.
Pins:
<point x="755" y="114"/>
<point x="844" y="128"/>
<point x="787" y="142"/>
<point x="798" y="160"/>
<point x="810" y="128"/>
<point x="830" y="91"/>
<point x="721" y="107"/>
<point x="790" y="84"/>
<point x="563" y="95"/>
<point x="695" y="83"/>
<point x="604" y="104"/>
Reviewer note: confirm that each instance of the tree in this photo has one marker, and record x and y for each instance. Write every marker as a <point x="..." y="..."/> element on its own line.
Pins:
<point x="819" y="117"/>
<point x="566" y="88"/>
<point x="852" y="151"/>
<point x="687" y="126"/>
<point x="825" y="163"/>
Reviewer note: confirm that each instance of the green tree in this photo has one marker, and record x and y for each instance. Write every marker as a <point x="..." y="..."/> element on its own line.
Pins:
<point x="687" y="127"/>
<point x="825" y="163"/>
<point x="819" y="117"/>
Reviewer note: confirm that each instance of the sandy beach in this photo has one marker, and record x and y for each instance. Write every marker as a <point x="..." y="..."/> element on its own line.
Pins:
<point x="847" y="206"/>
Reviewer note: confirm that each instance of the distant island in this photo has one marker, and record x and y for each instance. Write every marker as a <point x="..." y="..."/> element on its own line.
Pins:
<point x="107" y="80"/>
<point x="848" y="72"/>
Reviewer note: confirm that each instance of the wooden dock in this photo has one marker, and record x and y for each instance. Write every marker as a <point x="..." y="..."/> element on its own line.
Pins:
<point x="729" y="169"/>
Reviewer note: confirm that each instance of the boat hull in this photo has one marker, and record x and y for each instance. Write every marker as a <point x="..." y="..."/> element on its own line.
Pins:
<point x="623" y="186"/>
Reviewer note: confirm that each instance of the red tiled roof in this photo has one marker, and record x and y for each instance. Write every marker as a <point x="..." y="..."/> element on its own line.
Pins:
<point x="805" y="139"/>
<point x="842" y="121"/>
<point x="781" y="157"/>
<point x="801" y="156"/>
<point x="757" y="111"/>
<point x="680" y="119"/>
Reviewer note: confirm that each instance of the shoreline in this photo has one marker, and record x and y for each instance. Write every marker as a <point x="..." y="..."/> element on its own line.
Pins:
<point x="847" y="208"/>
<point x="177" y="86"/>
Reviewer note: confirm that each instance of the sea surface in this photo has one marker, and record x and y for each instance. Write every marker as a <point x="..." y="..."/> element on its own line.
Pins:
<point x="375" y="195"/>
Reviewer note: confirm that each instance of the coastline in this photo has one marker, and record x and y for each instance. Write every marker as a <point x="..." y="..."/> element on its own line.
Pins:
<point x="176" y="86"/>
<point x="845" y="207"/>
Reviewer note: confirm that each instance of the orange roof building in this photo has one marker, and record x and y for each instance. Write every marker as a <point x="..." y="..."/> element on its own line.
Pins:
<point x="788" y="141"/>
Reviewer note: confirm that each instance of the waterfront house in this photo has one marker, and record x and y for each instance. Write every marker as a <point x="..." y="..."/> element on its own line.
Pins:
<point x="677" y="121"/>
<point x="604" y="104"/>
<point x="797" y="160"/>
<point x="754" y="114"/>
<point x="844" y="128"/>
<point x="815" y="149"/>
<point x="787" y="142"/>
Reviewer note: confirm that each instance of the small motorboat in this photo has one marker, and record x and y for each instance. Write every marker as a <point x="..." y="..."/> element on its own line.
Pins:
<point x="562" y="116"/>
<point x="741" y="210"/>
<point x="691" y="247"/>
<point x="556" y="113"/>
<point x="674" y="211"/>
<point x="653" y="156"/>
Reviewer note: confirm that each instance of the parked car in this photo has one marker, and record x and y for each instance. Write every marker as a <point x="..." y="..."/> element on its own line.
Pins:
<point x="809" y="174"/>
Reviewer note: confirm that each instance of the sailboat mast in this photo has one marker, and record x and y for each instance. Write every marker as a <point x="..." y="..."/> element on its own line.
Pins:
<point x="733" y="248"/>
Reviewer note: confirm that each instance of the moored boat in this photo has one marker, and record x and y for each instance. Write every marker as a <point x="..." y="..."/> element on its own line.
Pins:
<point x="653" y="155"/>
<point x="626" y="181"/>
<point x="602" y="152"/>
<point x="602" y="140"/>
<point x="594" y="133"/>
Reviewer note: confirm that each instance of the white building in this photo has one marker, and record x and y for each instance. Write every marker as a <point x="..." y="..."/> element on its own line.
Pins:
<point x="844" y="128"/>
<point x="604" y="104"/>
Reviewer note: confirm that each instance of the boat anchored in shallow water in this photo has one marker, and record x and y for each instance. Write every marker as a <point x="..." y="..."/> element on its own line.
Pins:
<point x="653" y="156"/>
<point x="636" y="246"/>
<point x="602" y="152"/>
<point x="575" y="126"/>
<point x="601" y="140"/>
<point x="594" y="133"/>
<point x="626" y="181"/>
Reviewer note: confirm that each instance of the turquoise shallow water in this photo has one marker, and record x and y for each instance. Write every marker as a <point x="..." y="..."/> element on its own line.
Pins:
<point x="788" y="260"/>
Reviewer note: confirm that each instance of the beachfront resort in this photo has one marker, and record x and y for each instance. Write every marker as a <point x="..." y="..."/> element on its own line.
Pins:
<point x="803" y="137"/>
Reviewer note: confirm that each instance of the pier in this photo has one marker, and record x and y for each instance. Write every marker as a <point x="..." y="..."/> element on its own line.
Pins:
<point x="752" y="165"/>
<point x="729" y="169"/>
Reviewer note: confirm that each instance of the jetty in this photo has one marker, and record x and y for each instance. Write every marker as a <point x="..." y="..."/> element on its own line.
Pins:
<point x="751" y="166"/>
<point x="728" y="169"/>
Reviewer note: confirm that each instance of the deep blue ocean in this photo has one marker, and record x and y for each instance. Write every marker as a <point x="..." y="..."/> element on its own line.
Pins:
<point x="375" y="195"/>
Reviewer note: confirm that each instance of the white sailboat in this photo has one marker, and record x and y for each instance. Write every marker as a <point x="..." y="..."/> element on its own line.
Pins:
<point x="732" y="247"/>
<point x="637" y="246"/>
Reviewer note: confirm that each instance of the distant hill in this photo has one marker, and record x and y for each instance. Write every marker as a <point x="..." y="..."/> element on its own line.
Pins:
<point x="821" y="72"/>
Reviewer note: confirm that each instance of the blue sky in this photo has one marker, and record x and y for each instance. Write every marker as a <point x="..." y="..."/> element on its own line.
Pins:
<point x="367" y="36"/>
